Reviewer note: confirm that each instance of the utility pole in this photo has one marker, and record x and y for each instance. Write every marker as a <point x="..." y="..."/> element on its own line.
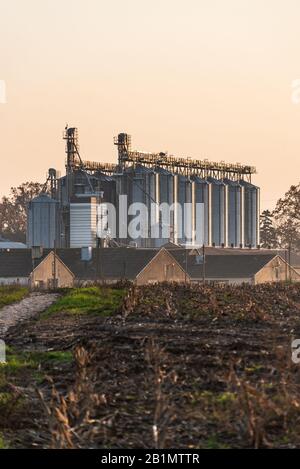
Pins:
<point x="55" y="282"/>
<point x="185" y="270"/>
<point x="54" y="266"/>
<point x="203" y="269"/>
<point x="99" y="272"/>
<point x="289" y="257"/>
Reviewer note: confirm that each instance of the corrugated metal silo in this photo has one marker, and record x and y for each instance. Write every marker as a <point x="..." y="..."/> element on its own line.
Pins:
<point x="184" y="217"/>
<point x="139" y="184"/>
<point x="202" y="190"/>
<point x="42" y="222"/>
<point x="219" y="211"/>
<point x="251" y="214"/>
<point x="235" y="213"/>
<point x="165" y="198"/>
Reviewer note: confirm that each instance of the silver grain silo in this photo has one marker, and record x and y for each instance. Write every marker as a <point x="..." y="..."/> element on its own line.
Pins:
<point x="235" y="213"/>
<point x="42" y="222"/>
<point x="139" y="185"/>
<point x="165" y="200"/>
<point x="183" y="194"/>
<point x="202" y="195"/>
<point x="189" y="213"/>
<point x="219" y="212"/>
<point x="251" y="214"/>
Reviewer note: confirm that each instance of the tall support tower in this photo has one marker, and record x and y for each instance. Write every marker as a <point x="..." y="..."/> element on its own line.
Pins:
<point x="72" y="149"/>
<point x="123" y="142"/>
<point x="53" y="182"/>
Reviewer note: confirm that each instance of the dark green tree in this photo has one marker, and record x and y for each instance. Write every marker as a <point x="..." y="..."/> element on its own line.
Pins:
<point x="268" y="237"/>
<point x="287" y="219"/>
<point x="13" y="210"/>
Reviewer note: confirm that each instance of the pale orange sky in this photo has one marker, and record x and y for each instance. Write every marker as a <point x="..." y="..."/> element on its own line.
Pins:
<point x="199" y="78"/>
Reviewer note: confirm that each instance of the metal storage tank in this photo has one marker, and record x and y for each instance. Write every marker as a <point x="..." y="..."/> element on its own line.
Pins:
<point x="251" y="214"/>
<point x="219" y="211"/>
<point x="139" y="184"/>
<point x="202" y="195"/>
<point x="184" y="219"/>
<point x="165" y="195"/>
<point x="235" y="213"/>
<point x="42" y="222"/>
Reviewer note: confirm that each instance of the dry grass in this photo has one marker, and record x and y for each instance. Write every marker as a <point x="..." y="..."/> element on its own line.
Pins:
<point x="173" y="366"/>
<point x="163" y="381"/>
<point x="71" y="418"/>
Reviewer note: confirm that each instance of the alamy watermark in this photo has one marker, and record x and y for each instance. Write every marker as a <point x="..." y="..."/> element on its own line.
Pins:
<point x="177" y="221"/>
<point x="296" y="351"/>
<point x="2" y="92"/>
<point x="2" y="352"/>
<point x="295" y="96"/>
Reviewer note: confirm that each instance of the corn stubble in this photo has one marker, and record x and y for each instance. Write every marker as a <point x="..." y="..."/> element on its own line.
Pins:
<point x="176" y="366"/>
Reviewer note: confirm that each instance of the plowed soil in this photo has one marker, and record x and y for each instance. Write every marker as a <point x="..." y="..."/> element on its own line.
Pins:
<point x="176" y="366"/>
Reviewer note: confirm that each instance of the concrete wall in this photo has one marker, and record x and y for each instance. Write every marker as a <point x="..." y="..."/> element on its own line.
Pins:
<point x="163" y="268"/>
<point x="24" y="281"/>
<point x="228" y="281"/>
<point x="276" y="271"/>
<point x="234" y="281"/>
<point x="42" y="276"/>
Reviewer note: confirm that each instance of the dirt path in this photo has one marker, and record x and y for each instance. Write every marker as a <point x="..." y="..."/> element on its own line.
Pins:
<point x="28" y="307"/>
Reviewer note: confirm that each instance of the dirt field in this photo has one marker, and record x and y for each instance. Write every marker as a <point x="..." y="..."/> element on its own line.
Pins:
<point x="172" y="366"/>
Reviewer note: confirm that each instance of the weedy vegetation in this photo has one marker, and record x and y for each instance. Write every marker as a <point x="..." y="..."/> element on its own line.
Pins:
<point x="159" y="366"/>
<point x="2" y="443"/>
<point x="11" y="294"/>
<point x="90" y="300"/>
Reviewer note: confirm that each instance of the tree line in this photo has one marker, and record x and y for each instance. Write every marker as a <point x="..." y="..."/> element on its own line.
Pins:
<point x="13" y="210"/>
<point x="279" y="228"/>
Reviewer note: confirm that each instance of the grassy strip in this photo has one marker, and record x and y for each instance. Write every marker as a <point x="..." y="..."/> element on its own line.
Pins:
<point x="102" y="301"/>
<point x="2" y="443"/>
<point x="23" y="368"/>
<point x="11" y="294"/>
<point x="18" y="361"/>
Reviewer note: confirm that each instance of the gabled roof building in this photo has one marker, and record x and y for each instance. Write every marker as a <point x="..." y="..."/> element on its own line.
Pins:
<point x="66" y="267"/>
